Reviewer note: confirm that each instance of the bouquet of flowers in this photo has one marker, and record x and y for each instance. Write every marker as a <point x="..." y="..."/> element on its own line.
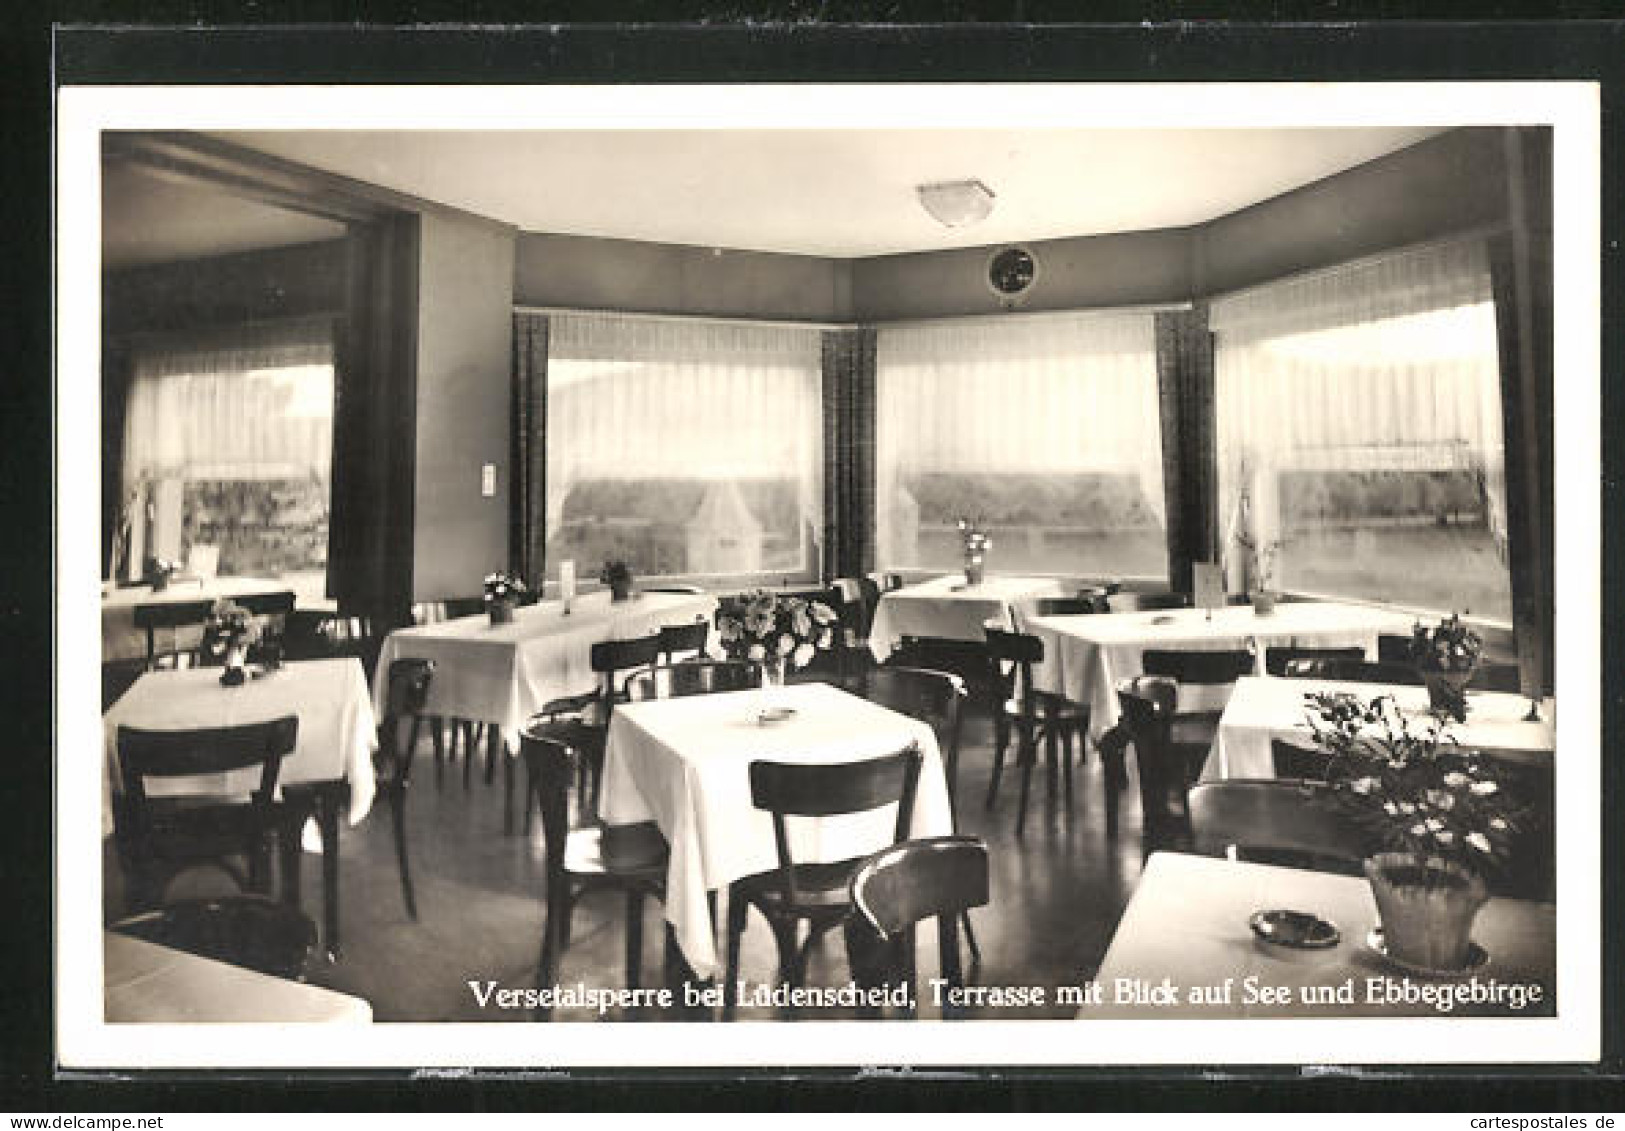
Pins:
<point x="1410" y="785"/>
<point x="228" y="633"/>
<point x="975" y="540"/>
<point x="773" y="630"/>
<point x="503" y="588"/>
<point x="1449" y="646"/>
<point x="158" y="571"/>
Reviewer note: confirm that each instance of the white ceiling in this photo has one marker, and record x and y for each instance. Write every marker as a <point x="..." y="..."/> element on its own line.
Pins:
<point x="838" y="193"/>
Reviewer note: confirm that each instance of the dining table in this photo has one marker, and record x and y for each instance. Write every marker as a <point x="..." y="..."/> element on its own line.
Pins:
<point x="147" y="982"/>
<point x="328" y="775"/>
<point x="1263" y="709"/>
<point x="1185" y="950"/>
<point x="684" y="763"/>
<point x="1086" y="655"/>
<point x="952" y="608"/>
<point x="123" y="640"/>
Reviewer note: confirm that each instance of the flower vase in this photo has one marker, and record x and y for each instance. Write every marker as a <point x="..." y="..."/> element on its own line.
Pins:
<point x="1263" y="602"/>
<point x="1447" y="692"/>
<point x="773" y="671"/>
<point x="1426" y="908"/>
<point x="973" y="570"/>
<point x="620" y="592"/>
<point x="501" y="612"/>
<point x="236" y="673"/>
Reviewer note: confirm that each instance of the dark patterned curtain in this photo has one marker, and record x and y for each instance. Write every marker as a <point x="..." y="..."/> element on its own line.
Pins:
<point x="1189" y="460"/>
<point x="849" y="452"/>
<point x="527" y="533"/>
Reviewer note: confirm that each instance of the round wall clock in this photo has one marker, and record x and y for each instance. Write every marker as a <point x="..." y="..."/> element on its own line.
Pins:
<point x="1011" y="271"/>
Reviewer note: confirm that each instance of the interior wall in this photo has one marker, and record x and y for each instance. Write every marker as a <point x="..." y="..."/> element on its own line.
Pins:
<point x="580" y="272"/>
<point x="465" y="312"/>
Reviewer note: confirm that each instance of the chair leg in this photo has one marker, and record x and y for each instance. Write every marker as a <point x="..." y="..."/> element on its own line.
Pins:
<point x="463" y="728"/>
<point x="493" y="740"/>
<point x="397" y="813"/>
<point x="784" y="936"/>
<point x="437" y="731"/>
<point x="737" y="910"/>
<point x="993" y="780"/>
<point x="1026" y="755"/>
<point x="553" y="945"/>
<point x="634" y="938"/>
<point x="970" y="939"/>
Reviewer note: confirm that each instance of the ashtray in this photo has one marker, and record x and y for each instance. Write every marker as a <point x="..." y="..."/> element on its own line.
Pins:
<point x="775" y="715"/>
<point x="1477" y="956"/>
<point x="1299" y="930"/>
<point x="1163" y="619"/>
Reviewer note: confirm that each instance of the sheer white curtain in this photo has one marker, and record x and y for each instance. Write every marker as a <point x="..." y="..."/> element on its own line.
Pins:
<point x="665" y="435"/>
<point x="1384" y="368"/>
<point x="253" y="404"/>
<point x="1002" y="410"/>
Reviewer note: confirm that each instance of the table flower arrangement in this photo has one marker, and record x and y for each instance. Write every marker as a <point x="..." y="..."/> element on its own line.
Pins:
<point x="1441" y="817"/>
<point x="975" y="542"/>
<point x="618" y="577"/>
<point x="1446" y="655"/>
<point x="503" y="592"/>
<point x="228" y="633"/>
<point x="775" y="631"/>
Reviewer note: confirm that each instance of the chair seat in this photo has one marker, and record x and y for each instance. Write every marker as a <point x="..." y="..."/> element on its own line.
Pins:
<point x="585" y="855"/>
<point x="250" y="931"/>
<point x="1052" y="709"/>
<point x="819" y="888"/>
<point x="1193" y="729"/>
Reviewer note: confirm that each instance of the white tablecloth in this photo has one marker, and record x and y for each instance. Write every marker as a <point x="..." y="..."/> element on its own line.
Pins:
<point x="947" y="607"/>
<point x="1187" y="922"/>
<point x="1086" y="655"/>
<point x="148" y="982"/>
<point x="684" y="763"/>
<point x="122" y="640"/>
<point x="503" y="674"/>
<point x="337" y="730"/>
<point x="1263" y="709"/>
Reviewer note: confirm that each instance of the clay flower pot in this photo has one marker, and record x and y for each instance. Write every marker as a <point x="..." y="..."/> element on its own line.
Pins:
<point x="1427" y="908"/>
<point x="1263" y="602"/>
<point x="501" y="612"/>
<point x="1447" y="691"/>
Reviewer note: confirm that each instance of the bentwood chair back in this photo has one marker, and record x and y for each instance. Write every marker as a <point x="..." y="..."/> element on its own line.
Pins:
<point x="1355" y="671"/>
<point x="933" y="697"/>
<point x="1295" y="824"/>
<point x="1146" y="602"/>
<point x="814" y="893"/>
<point x="1299" y="763"/>
<point x="581" y="860"/>
<point x="1164" y="768"/>
<point x="160" y="837"/>
<point x="692" y="677"/>
<point x="1277" y="659"/>
<point x="1204" y="676"/>
<point x="1062" y="606"/>
<point x="173" y="616"/>
<point x="895" y="889"/>
<point x="406" y="696"/>
<point x="683" y="641"/>
<point x="1036" y="719"/>
<point x="265" y="935"/>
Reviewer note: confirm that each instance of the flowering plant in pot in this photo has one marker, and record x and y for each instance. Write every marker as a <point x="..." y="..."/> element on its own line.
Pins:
<point x="1446" y="655"/>
<point x="228" y="633"/>
<point x="1439" y="815"/>
<point x="618" y="577"/>
<point x="775" y="631"/>
<point x="975" y="542"/>
<point x="503" y="592"/>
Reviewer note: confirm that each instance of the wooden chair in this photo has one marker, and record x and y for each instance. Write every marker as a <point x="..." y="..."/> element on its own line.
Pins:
<point x="1295" y="824"/>
<point x="939" y="878"/>
<point x="174" y="616"/>
<point x="1165" y="770"/>
<point x="1277" y="659"/>
<point x="1355" y="671"/>
<point x="1299" y="763"/>
<point x="466" y="734"/>
<point x="1193" y="729"/>
<point x="631" y="860"/>
<point x="692" y="677"/>
<point x="1146" y="602"/>
<point x="405" y="697"/>
<point x="673" y="587"/>
<point x="582" y="721"/>
<point x="1062" y="606"/>
<point x="1035" y="718"/>
<point x="266" y="604"/>
<point x="1496" y="677"/>
<point x="688" y="639"/>
<point x="159" y="837"/>
<point x="850" y="598"/>
<point x="1394" y="648"/>
<point x="817" y="894"/>
<point x="260" y="934"/>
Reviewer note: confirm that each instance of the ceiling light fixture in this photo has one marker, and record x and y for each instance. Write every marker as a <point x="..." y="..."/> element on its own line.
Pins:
<point x="956" y="204"/>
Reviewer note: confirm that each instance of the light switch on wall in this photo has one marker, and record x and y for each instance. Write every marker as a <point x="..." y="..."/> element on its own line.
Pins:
<point x="488" y="480"/>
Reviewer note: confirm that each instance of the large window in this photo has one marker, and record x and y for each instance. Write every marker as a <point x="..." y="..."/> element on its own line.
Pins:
<point x="1044" y="428"/>
<point x="684" y="448"/>
<point x="227" y="456"/>
<point x="1359" y="432"/>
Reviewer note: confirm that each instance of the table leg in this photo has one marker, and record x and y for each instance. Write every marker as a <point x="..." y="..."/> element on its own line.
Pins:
<point x="677" y="974"/>
<point x="508" y="757"/>
<point x="330" y="801"/>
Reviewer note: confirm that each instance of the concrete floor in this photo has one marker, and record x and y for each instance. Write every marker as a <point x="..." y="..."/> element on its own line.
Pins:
<point x="1057" y="894"/>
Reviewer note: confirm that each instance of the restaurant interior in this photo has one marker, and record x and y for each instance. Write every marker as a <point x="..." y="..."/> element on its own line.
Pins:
<point x="838" y="575"/>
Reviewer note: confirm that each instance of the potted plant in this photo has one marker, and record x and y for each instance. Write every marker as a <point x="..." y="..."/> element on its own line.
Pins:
<point x="228" y="633"/>
<point x="503" y="592"/>
<point x="158" y="573"/>
<point x="1446" y="655"/>
<point x="618" y="577"/>
<point x="1439" y="815"/>
<point x="774" y="631"/>
<point x="975" y="542"/>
